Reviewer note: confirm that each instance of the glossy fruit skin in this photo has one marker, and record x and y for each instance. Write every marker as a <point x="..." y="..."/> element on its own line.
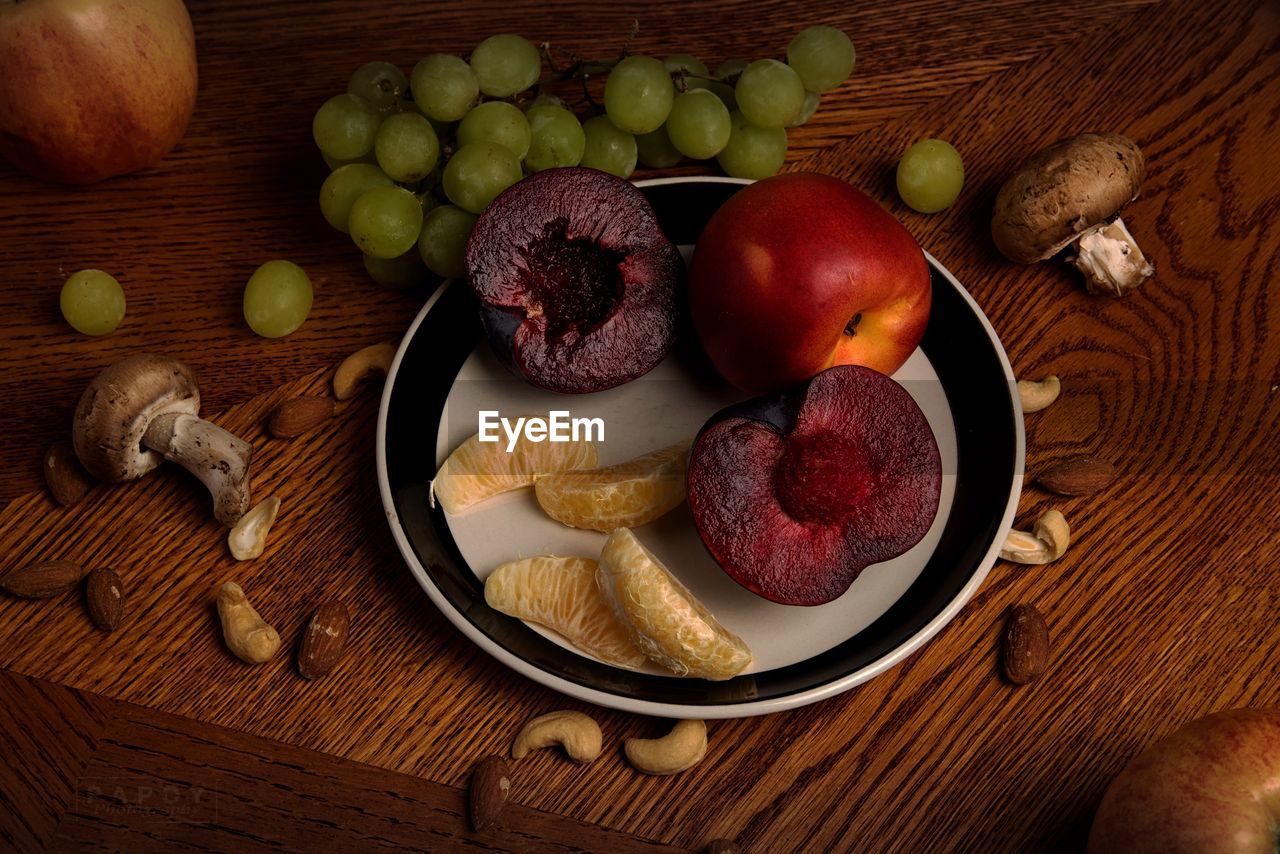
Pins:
<point x="788" y="266"/>
<point x="1208" y="787"/>
<point x="794" y="494"/>
<point x="578" y="284"/>
<point x="90" y="89"/>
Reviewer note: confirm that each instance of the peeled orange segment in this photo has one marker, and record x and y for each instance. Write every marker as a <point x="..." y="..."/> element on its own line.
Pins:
<point x="561" y="594"/>
<point x="478" y="470"/>
<point x="664" y="619"/>
<point x="622" y="496"/>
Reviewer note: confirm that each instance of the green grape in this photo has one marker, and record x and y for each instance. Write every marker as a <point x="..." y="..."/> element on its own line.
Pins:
<point x="385" y="221"/>
<point x="556" y="138"/>
<point x="343" y="186"/>
<point x="691" y="66"/>
<point x="344" y="127"/>
<point x="822" y="56"/>
<point x="277" y="299"/>
<point x="545" y="100"/>
<point x="334" y="163"/>
<point x="444" y="87"/>
<point x="769" y="93"/>
<point x="699" y="124"/>
<point x="655" y="150"/>
<point x="443" y="243"/>
<point x="505" y="65"/>
<point x="404" y="272"/>
<point x="477" y="173"/>
<point x="92" y="302"/>
<point x="379" y="83"/>
<point x="930" y="175"/>
<point x="608" y="149"/>
<point x="496" y="121"/>
<point x="753" y="152"/>
<point x="726" y="75"/>
<point x="638" y="94"/>
<point x="811" y="101"/>
<point x="407" y="147"/>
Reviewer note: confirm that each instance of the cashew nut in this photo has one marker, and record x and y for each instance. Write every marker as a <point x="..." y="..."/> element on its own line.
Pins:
<point x="1038" y="395"/>
<point x="249" y="536"/>
<point x="1047" y="542"/>
<point x="246" y="633"/>
<point x="578" y="734"/>
<point x="360" y="366"/>
<point x="679" y="749"/>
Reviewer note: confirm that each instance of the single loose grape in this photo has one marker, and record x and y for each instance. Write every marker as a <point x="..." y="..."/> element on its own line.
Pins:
<point x="496" y="121"/>
<point x="406" y="271"/>
<point x="344" y="127"/>
<point x="477" y="173"/>
<point x="753" y="152"/>
<point x="654" y="149"/>
<point x="407" y="147"/>
<point x="385" y="221"/>
<point x="609" y="149"/>
<point x="379" y="83"/>
<point x="699" y="124"/>
<point x="277" y="299"/>
<point x="343" y="186"/>
<point x="92" y="302"/>
<point x="930" y="175"/>
<point x="811" y="101"/>
<point x="505" y="65"/>
<point x="443" y="243"/>
<point x="822" y="56"/>
<point x="638" y="94"/>
<point x="444" y="87"/>
<point x="556" y="138"/>
<point x="769" y="93"/>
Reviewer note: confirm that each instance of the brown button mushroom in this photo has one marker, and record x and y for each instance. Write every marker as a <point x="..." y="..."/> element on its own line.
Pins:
<point x="143" y="409"/>
<point x="1070" y="195"/>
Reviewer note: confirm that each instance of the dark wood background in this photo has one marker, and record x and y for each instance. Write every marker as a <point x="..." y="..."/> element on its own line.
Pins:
<point x="1164" y="609"/>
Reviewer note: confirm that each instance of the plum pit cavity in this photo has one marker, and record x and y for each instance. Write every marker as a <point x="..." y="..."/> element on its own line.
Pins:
<point x="574" y="282"/>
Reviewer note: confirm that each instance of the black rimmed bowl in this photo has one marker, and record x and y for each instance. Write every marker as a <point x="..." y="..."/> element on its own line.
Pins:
<point x="444" y="375"/>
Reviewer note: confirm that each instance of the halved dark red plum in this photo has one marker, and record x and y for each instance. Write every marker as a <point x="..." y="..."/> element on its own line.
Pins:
<point x="576" y="279"/>
<point x="794" y="494"/>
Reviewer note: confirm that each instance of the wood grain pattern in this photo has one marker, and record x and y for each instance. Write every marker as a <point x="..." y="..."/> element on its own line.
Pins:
<point x="1163" y="609"/>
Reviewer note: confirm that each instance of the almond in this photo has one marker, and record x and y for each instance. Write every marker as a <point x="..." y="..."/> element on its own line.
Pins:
<point x="104" y="596"/>
<point x="490" y="785"/>
<point x="42" y="580"/>
<point x="66" y="478"/>
<point x="1026" y="645"/>
<point x="323" y="640"/>
<point x="1077" y="476"/>
<point x="296" y="416"/>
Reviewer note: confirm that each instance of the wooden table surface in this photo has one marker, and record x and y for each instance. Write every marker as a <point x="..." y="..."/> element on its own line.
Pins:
<point x="1163" y="610"/>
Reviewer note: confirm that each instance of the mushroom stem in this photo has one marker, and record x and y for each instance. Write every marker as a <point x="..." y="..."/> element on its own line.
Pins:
<point x="219" y="459"/>
<point x="1110" y="259"/>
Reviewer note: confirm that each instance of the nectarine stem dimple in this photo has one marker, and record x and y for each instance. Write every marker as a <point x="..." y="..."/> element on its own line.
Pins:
<point x="851" y="328"/>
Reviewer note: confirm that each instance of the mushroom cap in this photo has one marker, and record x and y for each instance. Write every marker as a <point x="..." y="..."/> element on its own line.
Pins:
<point x="1062" y="191"/>
<point x="116" y="408"/>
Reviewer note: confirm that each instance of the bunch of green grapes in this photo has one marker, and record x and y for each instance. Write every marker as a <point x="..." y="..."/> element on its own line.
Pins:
<point x="415" y="159"/>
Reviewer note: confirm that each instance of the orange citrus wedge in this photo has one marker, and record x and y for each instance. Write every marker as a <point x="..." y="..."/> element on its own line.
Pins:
<point x="478" y="470"/>
<point x="622" y="496"/>
<point x="664" y="619"/>
<point x="561" y="594"/>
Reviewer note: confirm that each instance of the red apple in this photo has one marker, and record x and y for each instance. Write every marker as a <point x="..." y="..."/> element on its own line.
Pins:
<point x="1213" y="786"/>
<point x="93" y="88"/>
<point x="800" y="272"/>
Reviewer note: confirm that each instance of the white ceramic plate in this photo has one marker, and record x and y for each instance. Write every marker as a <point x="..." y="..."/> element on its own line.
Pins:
<point x="445" y="373"/>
